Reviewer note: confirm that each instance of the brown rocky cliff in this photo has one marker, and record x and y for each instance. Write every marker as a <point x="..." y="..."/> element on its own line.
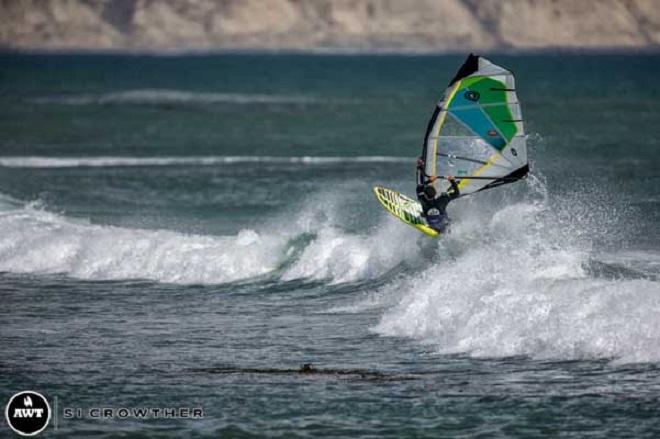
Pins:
<point x="439" y="25"/>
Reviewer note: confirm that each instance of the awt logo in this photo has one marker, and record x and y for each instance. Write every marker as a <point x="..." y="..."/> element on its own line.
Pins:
<point x="27" y="413"/>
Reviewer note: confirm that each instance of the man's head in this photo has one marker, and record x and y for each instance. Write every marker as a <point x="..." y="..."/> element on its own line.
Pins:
<point x="429" y="192"/>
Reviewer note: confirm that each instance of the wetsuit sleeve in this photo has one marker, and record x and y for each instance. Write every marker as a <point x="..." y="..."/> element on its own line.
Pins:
<point x="426" y="204"/>
<point x="455" y="191"/>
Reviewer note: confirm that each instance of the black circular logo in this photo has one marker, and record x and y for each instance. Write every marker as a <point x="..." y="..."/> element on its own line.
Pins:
<point x="27" y="413"/>
<point x="514" y="152"/>
<point x="472" y="95"/>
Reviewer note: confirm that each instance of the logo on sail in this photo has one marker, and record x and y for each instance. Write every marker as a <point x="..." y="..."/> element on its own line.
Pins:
<point x="27" y="413"/>
<point x="472" y="95"/>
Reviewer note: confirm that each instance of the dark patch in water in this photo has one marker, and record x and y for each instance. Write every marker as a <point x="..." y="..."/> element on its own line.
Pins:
<point x="613" y="271"/>
<point x="308" y="369"/>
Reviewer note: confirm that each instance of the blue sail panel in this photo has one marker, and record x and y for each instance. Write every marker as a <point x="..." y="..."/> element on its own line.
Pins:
<point x="473" y="117"/>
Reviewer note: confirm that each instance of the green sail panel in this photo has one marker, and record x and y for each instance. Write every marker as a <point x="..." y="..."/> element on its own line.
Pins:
<point x="492" y="98"/>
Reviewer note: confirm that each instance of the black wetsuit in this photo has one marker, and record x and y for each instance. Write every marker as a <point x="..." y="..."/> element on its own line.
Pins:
<point x="440" y="201"/>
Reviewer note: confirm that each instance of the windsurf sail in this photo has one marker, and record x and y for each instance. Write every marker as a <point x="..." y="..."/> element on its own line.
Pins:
<point x="476" y="132"/>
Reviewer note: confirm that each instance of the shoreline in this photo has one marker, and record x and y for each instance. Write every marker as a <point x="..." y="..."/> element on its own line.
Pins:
<point x="333" y="51"/>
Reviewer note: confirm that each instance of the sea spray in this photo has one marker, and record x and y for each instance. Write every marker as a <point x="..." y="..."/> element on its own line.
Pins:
<point x="522" y="289"/>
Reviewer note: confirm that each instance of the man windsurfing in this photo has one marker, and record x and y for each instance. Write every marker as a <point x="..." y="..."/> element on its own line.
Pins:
<point x="434" y="207"/>
<point x="476" y="131"/>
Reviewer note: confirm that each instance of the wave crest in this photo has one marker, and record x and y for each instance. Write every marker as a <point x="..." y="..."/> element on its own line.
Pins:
<point x="163" y="96"/>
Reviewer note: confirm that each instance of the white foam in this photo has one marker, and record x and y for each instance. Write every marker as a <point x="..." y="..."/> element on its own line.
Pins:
<point x="34" y="241"/>
<point x="118" y="161"/>
<point x="523" y="290"/>
<point x="337" y="256"/>
<point x="37" y="241"/>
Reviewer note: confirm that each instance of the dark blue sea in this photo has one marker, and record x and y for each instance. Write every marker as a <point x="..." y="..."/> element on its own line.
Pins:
<point x="190" y="231"/>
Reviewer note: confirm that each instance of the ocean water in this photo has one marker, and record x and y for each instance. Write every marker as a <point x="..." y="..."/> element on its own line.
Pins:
<point x="188" y="231"/>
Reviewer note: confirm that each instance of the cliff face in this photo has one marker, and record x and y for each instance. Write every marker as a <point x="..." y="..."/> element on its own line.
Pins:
<point x="442" y="25"/>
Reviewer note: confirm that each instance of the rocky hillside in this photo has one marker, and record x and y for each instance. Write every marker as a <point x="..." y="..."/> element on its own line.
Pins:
<point x="439" y="25"/>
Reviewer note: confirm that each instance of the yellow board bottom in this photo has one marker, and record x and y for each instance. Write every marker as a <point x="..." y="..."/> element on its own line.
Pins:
<point x="404" y="208"/>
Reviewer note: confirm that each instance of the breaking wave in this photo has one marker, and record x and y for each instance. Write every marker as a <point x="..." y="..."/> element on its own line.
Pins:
<point x="36" y="241"/>
<point x="158" y="96"/>
<point x="525" y="285"/>
<point x="523" y="279"/>
<point x="39" y="242"/>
